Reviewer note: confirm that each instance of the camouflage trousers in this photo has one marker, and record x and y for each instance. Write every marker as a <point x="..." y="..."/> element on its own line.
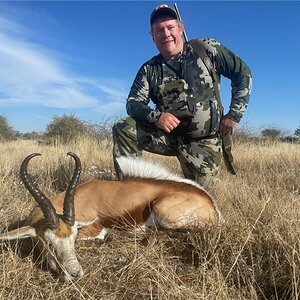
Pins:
<point x="199" y="159"/>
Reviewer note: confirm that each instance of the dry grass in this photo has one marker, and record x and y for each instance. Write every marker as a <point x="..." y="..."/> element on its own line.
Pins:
<point x="254" y="255"/>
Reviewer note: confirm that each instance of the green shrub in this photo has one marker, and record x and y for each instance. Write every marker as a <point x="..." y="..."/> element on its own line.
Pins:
<point x="7" y="132"/>
<point x="64" y="129"/>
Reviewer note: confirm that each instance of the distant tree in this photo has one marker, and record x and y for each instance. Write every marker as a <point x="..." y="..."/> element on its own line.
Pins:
<point x="33" y="135"/>
<point x="18" y="134"/>
<point x="7" y="132"/>
<point x="297" y="132"/>
<point x="290" y="139"/>
<point x="271" y="133"/>
<point x="64" y="129"/>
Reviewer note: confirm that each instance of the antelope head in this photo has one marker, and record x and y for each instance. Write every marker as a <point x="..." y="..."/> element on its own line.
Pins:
<point x="55" y="234"/>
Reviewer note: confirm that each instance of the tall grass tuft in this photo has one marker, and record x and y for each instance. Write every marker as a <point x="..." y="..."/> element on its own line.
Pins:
<point x="254" y="255"/>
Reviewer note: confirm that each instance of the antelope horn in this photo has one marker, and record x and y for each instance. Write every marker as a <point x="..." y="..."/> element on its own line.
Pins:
<point x="69" y="211"/>
<point x="43" y="202"/>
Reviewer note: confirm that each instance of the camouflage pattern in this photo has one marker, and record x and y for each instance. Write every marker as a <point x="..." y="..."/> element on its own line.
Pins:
<point x="173" y="85"/>
<point x="199" y="159"/>
<point x="188" y="66"/>
<point x="177" y="99"/>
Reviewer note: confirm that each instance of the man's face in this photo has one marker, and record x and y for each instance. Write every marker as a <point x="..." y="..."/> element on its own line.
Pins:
<point x="167" y="36"/>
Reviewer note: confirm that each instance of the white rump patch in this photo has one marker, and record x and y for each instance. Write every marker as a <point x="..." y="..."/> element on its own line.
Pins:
<point x="141" y="168"/>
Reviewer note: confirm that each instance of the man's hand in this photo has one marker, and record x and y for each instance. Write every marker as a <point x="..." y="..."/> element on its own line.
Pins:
<point x="167" y="122"/>
<point x="227" y="126"/>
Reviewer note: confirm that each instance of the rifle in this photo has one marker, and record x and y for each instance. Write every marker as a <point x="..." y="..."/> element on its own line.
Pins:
<point x="180" y="20"/>
<point x="226" y="139"/>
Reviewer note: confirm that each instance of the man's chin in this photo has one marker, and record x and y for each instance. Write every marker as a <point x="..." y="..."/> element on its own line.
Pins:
<point x="169" y="53"/>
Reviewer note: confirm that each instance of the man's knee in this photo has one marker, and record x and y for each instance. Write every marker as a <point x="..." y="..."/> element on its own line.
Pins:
<point x="124" y="132"/>
<point x="125" y="139"/>
<point x="124" y="125"/>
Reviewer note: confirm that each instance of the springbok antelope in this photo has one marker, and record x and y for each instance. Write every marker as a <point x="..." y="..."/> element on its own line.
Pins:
<point x="149" y="196"/>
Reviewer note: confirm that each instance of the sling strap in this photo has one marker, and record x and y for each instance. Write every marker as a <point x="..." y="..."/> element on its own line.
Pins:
<point x="201" y="53"/>
<point x="226" y="139"/>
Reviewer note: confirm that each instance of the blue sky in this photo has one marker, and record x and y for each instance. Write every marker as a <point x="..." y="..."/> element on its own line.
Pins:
<point x="80" y="57"/>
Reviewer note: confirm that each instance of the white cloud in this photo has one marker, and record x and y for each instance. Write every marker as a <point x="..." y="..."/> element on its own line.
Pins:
<point x="32" y="74"/>
<point x="10" y="26"/>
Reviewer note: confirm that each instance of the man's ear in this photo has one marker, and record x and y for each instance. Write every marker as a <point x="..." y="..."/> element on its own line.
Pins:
<point x="181" y="28"/>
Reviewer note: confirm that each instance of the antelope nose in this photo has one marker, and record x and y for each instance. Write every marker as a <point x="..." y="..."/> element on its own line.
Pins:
<point x="77" y="273"/>
<point x="73" y="276"/>
<point x="73" y="271"/>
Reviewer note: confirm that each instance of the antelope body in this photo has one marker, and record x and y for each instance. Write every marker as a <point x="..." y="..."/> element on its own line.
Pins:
<point x="149" y="196"/>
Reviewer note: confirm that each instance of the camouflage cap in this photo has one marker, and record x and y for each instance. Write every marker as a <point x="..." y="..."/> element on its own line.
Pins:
<point x="162" y="10"/>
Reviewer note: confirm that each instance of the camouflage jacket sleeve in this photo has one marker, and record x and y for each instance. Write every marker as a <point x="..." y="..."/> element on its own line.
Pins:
<point x="231" y="66"/>
<point x="139" y="98"/>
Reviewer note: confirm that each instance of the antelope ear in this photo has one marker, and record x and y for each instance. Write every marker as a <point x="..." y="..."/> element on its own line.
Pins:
<point x="19" y="233"/>
<point x="81" y="223"/>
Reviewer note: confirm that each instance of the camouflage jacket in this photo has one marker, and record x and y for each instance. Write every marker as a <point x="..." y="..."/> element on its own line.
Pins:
<point x="189" y="66"/>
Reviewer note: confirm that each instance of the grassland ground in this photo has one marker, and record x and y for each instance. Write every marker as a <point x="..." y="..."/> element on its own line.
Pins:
<point x="254" y="255"/>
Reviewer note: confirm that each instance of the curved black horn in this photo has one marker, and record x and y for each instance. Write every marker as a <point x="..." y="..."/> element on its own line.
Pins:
<point x="69" y="210"/>
<point x="44" y="203"/>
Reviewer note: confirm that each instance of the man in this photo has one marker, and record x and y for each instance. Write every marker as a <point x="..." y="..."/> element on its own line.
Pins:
<point x="187" y="119"/>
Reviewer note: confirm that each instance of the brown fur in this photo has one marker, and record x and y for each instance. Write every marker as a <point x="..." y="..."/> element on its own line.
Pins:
<point x="129" y="201"/>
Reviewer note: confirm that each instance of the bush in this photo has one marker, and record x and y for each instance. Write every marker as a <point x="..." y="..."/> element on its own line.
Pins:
<point x="33" y="135"/>
<point x="7" y="132"/>
<point x="272" y="133"/>
<point x="101" y="131"/>
<point x="64" y="129"/>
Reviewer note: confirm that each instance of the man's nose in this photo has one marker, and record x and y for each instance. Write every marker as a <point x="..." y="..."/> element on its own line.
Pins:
<point x="166" y="32"/>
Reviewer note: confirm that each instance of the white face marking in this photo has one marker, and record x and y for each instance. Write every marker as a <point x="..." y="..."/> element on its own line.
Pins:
<point x="61" y="256"/>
